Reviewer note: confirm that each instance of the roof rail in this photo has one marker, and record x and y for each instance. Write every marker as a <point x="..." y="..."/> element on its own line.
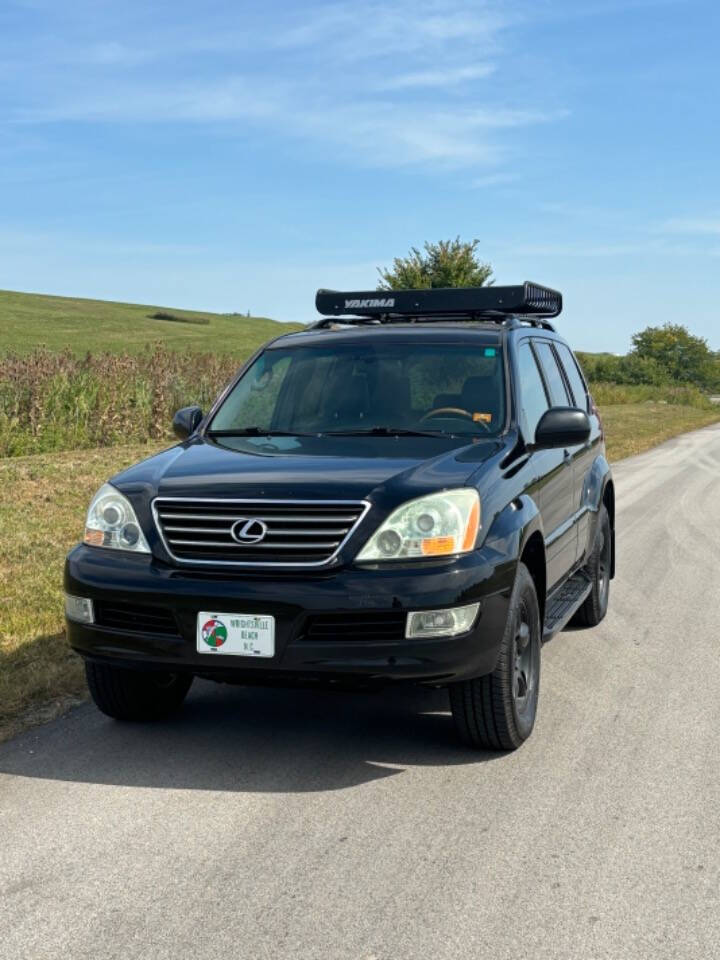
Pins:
<point x="530" y="302"/>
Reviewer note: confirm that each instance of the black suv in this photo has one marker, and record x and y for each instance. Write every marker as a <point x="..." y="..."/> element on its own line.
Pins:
<point x="412" y="489"/>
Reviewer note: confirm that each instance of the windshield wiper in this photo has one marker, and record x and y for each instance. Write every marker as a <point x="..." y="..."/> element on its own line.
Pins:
<point x="257" y="432"/>
<point x="386" y="432"/>
<point x="365" y="432"/>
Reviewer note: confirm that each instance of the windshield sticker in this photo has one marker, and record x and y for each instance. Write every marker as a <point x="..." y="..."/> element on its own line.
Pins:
<point x="490" y="351"/>
<point x="482" y="417"/>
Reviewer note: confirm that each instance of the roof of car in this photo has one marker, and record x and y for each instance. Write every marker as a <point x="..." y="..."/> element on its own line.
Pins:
<point x="438" y="331"/>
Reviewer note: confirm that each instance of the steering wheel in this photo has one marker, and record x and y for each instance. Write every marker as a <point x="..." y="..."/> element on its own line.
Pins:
<point x="455" y="411"/>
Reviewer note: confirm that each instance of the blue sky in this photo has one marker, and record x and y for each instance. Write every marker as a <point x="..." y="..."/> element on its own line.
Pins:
<point x="235" y="156"/>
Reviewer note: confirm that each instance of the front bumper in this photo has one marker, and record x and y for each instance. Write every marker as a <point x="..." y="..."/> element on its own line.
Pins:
<point x="114" y="577"/>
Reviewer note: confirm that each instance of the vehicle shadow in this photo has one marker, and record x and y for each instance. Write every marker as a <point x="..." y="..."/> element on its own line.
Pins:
<point x="249" y="739"/>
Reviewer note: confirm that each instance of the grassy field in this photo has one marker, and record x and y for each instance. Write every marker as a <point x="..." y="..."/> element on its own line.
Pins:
<point x="634" y="427"/>
<point x="43" y="499"/>
<point x="29" y="320"/>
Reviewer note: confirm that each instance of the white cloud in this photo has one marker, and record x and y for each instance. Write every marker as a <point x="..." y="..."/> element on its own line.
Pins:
<point x="392" y="133"/>
<point x="381" y="81"/>
<point x="494" y="180"/>
<point x="449" y="77"/>
<point x="354" y="31"/>
<point x="689" y="226"/>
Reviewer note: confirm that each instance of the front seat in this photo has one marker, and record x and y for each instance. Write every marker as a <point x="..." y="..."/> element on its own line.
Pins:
<point x="348" y="399"/>
<point x="391" y="403"/>
<point x="482" y="396"/>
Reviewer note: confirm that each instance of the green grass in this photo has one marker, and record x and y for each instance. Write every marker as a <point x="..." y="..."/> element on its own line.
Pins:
<point x="677" y="394"/>
<point x="635" y="427"/>
<point x="43" y="499"/>
<point x="30" y="320"/>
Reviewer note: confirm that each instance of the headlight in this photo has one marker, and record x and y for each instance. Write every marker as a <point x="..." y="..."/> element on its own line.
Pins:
<point x="111" y="522"/>
<point x="433" y="526"/>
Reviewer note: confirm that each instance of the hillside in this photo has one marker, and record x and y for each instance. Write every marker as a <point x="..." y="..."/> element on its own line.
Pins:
<point x="29" y="320"/>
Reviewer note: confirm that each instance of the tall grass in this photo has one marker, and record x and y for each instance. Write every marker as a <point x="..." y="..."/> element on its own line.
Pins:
<point x="55" y="401"/>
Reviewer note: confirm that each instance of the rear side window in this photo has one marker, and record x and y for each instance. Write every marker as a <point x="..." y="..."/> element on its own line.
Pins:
<point x="577" y="384"/>
<point x="553" y="376"/>
<point x="533" y="399"/>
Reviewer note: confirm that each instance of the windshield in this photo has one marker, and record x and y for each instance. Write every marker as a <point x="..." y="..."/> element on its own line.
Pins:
<point x="369" y="389"/>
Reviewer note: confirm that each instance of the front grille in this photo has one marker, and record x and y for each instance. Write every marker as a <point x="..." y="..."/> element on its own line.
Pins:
<point x="135" y="618"/>
<point x="297" y="533"/>
<point x="355" y="627"/>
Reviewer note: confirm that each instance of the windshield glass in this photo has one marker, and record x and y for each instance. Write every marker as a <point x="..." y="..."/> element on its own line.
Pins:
<point x="369" y="388"/>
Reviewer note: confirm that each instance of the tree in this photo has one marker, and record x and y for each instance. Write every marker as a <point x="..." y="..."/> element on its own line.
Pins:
<point x="683" y="357"/>
<point x="449" y="263"/>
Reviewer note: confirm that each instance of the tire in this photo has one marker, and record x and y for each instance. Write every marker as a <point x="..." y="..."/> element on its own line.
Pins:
<point x="134" y="694"/>
<point x="598" y="568"/>
<point x="497" y="711"/>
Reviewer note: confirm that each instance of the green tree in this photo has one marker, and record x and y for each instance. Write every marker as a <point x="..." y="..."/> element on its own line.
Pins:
<point x="683" y="357"/>
<point x="449" y="263"/>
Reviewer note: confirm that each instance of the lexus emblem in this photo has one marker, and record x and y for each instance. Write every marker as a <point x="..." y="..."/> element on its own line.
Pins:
<point x="248" y="532"/>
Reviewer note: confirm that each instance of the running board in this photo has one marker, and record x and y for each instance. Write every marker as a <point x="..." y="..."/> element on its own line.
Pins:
<point x="564" y="603"/>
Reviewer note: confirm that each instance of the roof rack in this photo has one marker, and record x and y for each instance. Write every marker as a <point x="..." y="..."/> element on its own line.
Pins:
<point x="530" y="302"/>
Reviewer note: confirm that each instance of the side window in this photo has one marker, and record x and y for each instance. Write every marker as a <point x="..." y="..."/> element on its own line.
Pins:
<point x="577" y="384"/>
<point x="533" y="399"/>
<point x="553" y="376"/>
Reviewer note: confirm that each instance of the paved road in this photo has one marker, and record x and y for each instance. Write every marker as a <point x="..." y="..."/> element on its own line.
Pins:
<point x="304" y="825"/>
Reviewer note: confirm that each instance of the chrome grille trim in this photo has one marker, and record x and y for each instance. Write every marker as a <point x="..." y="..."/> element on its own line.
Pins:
<point x="334" y="528"/>
<point x="259" y="516"/>
<point x="255" y="546"/>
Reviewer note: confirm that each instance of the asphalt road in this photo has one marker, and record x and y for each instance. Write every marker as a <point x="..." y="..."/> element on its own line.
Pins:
<point x="267" y="824"/>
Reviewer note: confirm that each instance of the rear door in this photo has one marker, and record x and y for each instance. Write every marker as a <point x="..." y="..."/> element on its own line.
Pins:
<point x="553" y="468"/>
<point x="583" y="456"/>
<point x="561" y="397"/>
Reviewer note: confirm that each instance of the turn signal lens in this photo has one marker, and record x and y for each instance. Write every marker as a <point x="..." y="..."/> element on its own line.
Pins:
<point x="436" y="546"/>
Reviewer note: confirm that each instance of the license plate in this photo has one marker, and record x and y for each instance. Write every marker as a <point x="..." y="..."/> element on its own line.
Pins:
<point x="239" y="634"/>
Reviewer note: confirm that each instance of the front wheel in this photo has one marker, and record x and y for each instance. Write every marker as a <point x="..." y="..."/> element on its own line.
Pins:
<point x="134" y="694"/>
<point x="497" y="712"/>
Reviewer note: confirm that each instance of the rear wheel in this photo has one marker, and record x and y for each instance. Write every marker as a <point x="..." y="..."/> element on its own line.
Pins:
<point x="497" y="711"/>
<point x="134" y="694"/>
<point x="598" y="567"/>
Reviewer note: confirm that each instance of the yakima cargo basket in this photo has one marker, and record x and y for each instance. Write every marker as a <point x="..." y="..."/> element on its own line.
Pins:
<point x="527" y="300"/>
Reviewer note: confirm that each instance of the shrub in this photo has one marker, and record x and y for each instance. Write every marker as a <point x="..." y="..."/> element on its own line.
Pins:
<point x="174" y="318"/>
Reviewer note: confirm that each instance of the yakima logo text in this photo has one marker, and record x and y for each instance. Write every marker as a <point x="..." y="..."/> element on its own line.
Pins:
<point x="374" y="302"/>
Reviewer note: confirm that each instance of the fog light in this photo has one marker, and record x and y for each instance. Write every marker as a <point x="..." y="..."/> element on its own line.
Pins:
<point x="79" y="609"/>
<point x="441" y="623"/>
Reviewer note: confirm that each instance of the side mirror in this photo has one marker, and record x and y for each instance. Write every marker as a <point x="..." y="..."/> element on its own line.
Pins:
<point x="562" y="427"/>
<point x="185" y="421"/>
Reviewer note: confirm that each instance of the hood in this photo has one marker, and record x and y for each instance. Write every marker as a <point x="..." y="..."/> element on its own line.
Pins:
<point x="348" y="469"/>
